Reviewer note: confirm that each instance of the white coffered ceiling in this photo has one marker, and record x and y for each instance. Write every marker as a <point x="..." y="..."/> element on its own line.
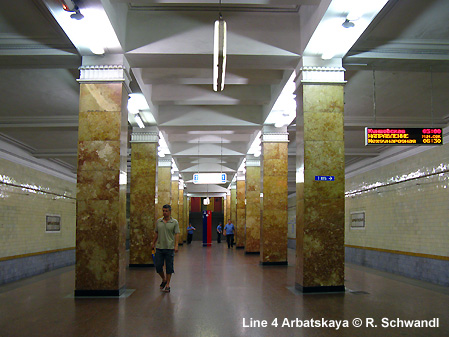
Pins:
<point x="168" y="45"/>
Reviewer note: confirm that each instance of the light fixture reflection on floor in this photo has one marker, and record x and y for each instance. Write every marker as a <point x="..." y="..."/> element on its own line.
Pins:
<point x="219" y="53"/>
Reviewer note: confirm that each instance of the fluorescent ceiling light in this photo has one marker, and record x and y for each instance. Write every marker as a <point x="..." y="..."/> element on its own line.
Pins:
<point x="219" y="67"/>
<point x="284" y="110"/>
<point x="209" y="178"/>
<point x="94" y="33"/>
<point x="256" y="145"/>
<point x="163" y="147"/>
<point x="139" y="121"/>
<point x="331" y="37"/>
<point x="136" y="103"/>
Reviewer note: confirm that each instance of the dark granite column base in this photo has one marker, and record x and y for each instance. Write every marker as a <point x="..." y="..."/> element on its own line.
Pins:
<point x="141" y="265"/>
<point x="320" y="289"/>
<point x="97" y="293"/>
<point x="240" y="247"/>
<point x="253" y="253"/>
<point x="280" y="263"/>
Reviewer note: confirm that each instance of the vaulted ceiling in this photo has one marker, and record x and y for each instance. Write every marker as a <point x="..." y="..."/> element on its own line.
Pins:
<point x="397" y="75"/>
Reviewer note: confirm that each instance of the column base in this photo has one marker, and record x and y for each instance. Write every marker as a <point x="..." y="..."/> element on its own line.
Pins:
<point x="280" y="263"/>
<point x="98" y="293"/>
<point x="141" y="265"/>
<point x="252" y="253"/>
<point x="240" y="247"/>
<point x="320" y="289"/>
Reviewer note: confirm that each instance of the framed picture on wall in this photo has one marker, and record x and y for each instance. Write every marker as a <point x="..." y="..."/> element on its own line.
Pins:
<point x="358" y="220"/>
<point x="52" y="223"/>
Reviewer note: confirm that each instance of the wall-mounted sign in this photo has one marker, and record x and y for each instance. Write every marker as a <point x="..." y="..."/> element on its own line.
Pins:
<point x="358" y="220"/>
<point x="324" y="178"/>
<point x="52" y="223"/>
<point x="209" y="178"/>
<point x="403" y="136"/>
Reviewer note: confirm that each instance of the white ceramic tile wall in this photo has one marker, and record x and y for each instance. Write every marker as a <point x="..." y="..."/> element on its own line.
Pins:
<point x="411" y="216"/>
<point x="23" y="211"/>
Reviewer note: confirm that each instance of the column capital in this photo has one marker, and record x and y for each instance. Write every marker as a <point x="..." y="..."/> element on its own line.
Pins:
<point x="322" y="75"/>
<point x="145" y="137"/>
<point x="175" y="176"/>
<point x="113" y="68"/>
<point x="271" y="134"/>
<point x="164" y="162"/>
<point x="252" y="162"/>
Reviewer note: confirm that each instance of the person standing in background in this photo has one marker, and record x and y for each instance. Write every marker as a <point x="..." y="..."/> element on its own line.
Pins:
<point x="190" y="230"/>
<point x="219" y="231"/>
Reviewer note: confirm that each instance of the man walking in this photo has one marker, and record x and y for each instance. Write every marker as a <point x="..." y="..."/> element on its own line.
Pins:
<point x="229" y="229"/>
<point x="166" y="242"/>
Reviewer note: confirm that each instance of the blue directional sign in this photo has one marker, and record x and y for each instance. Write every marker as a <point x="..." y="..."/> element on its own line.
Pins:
<point x="324" y="178"/>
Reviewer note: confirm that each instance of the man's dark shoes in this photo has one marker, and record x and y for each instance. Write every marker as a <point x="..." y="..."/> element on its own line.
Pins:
<point x="162" y="286"/>
<point x="166" y="290"/>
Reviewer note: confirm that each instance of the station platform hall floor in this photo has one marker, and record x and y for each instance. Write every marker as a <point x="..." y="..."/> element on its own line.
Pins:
<point x="212" y="291"/>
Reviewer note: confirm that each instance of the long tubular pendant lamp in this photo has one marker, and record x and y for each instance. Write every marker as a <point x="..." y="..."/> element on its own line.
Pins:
<point x="219" y="54"/>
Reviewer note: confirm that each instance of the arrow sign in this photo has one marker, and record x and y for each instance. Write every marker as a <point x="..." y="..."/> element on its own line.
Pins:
<point x="324" y="178"/>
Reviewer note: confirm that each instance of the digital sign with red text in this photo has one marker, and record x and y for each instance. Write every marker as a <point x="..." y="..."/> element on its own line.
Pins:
<point x="403" y="136"/>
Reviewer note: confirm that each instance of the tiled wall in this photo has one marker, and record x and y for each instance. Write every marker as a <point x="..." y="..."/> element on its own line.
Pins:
<point x="410" y="216"/>
<point x="406" y="217"/>
<point x="23" y="211"/>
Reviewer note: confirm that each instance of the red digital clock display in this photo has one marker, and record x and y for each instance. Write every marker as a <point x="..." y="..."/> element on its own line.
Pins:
<point x="403" y="136"/>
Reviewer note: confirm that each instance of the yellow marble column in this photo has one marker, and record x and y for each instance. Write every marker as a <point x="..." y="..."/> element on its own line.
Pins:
<point x="241" y="212"/>
<point x="224" y="209"/>
<point x="101" y="182"/>
<point x="163" y="185"/>
<point x="186" y="216"/>
<point x="175" y="196"/>
<point x="274" y="224"/>
<point x="228" y="207"/>
<point x="182" y="226"/>
<point x="233" y="213"/>
<point x="252" y="231"/>
<point x="142" y="197"/>
<point x="320" y="201"/>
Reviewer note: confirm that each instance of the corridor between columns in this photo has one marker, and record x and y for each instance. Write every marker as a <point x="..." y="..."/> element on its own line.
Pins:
<point x="213" y="290"/>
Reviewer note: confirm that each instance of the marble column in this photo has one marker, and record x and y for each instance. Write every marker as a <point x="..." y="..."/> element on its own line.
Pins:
<point x="228" y="207"/>
<point x="101" y="179"/>
<point x="233" y="207"/>
<point x="252" y="231"/>
<point x="241" y="212"/>
<point x="187" y="212"/>
<point x="224" y="209"/>
<point x="175" y="196"/>
<point x="182" y="226"/>
<point x="144" y="143"/>
<point x="163" y="185"/>
<point x="274" y="224"/>
<point x="320" y="203"/>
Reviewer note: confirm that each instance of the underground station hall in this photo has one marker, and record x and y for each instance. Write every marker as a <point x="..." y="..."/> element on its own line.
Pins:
<point x="214" y="168"/>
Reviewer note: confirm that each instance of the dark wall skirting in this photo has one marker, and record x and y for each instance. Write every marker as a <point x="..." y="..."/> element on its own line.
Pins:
<point x="18" y="268"/>
<point x="280" y="263"/>
<point x="319" y="289"/>
<point x="417" y="267"/>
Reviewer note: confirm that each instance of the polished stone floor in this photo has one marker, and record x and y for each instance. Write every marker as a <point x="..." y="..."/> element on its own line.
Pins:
<point x="213" y="290"/>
